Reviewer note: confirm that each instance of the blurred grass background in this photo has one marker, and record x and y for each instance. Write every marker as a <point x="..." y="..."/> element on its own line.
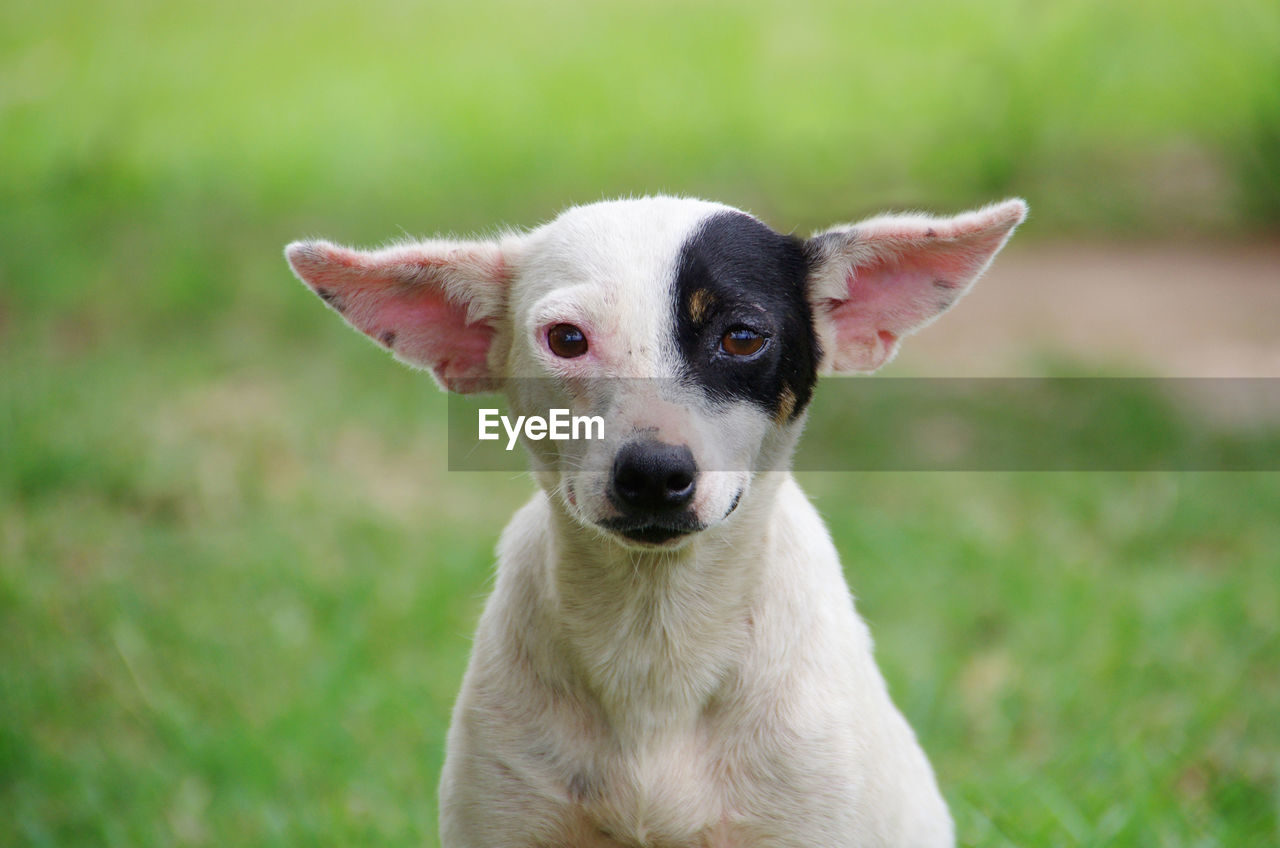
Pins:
<point x="236" y="583"/>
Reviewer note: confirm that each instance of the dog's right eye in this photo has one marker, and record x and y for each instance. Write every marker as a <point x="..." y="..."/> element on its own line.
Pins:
<point x="566" y="341"/>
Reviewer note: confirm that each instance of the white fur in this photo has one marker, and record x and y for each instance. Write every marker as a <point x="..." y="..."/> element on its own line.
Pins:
<point x="719" y="691"/>
<point x="723" y="695"/>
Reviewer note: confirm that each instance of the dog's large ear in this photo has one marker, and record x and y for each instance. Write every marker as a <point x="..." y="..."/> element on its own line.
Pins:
<point x="875" y="282"/>
<point x="435" y="304"/>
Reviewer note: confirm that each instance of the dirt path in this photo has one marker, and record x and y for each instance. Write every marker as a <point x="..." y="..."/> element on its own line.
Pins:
<point x="1175" y="310"/>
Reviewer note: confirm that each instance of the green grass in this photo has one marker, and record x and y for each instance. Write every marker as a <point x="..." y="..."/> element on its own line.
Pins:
<point x="237" y="599"/>
<point x="236" y="583"/>
<point x="1089" y="658"/>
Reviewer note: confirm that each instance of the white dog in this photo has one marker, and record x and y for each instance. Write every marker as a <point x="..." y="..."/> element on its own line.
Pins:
<point x="670" y="656"/>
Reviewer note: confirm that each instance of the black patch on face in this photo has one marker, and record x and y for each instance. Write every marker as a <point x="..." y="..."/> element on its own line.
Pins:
<point x="736" y="272"/>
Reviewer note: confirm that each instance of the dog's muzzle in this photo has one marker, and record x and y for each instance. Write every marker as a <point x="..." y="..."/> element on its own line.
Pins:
<point x="652" y="485"/>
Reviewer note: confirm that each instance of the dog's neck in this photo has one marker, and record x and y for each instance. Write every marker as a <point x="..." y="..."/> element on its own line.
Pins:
<point x="653" y="636"/>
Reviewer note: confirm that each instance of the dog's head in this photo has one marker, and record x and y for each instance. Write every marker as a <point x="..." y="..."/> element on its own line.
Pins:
<point x="693" y="330"/>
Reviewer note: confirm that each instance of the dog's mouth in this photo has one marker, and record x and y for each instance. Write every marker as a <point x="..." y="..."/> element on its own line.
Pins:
<point x="653" y="532"/>
<point x="656" y="531"/>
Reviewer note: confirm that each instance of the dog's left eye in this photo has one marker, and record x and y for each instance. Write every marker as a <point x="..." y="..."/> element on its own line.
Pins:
<point x="742" y="341"/>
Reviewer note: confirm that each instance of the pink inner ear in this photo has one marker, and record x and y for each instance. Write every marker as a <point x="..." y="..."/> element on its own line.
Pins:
<point x="398" y="298"/>
<point x="902" y="272"/>
<point x="430" y="330"/>
<point x="889" y="298"/>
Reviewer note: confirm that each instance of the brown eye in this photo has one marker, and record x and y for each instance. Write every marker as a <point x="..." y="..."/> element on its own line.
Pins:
<point x="566" y="341"/>
<point x="742" y="341"/>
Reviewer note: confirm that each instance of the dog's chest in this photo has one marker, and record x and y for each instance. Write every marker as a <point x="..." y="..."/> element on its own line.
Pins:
<point x="668" y="791"/>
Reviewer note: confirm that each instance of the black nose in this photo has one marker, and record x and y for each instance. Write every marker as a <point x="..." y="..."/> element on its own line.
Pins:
<point x="653" y="477"/>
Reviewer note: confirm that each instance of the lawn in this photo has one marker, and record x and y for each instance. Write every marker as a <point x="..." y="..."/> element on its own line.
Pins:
<point x="237" y="581"/>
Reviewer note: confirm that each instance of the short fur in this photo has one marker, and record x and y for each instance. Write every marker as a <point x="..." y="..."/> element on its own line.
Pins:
<point x="715" y="688"/>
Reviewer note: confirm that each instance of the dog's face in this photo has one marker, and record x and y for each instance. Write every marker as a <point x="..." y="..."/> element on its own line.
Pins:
<point x="686" y="327"/>
<point x="694" y="330"/>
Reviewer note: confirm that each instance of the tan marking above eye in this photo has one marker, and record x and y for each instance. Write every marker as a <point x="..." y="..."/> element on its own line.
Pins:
<point x="699" y="303"/>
